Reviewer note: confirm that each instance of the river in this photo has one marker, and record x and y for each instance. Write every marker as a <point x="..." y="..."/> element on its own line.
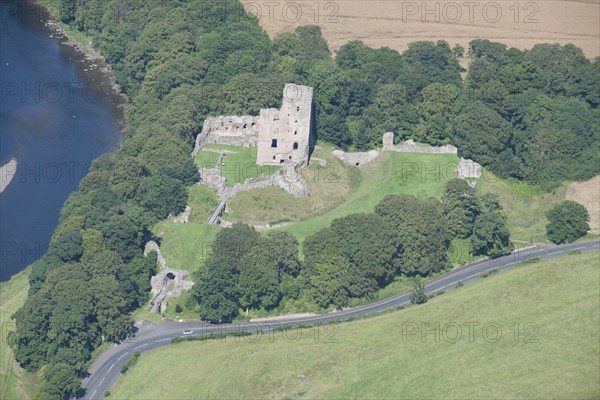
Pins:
<point x="57" y="113"/>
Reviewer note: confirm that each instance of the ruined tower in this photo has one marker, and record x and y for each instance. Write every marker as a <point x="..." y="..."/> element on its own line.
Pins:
<point x="284" y="135"/>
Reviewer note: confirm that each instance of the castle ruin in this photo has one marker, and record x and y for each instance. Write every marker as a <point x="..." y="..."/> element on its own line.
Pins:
<point x="282" y="136"/>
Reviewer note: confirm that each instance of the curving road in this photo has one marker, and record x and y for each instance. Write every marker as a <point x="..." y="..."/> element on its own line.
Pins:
<point x="107" y="368"/>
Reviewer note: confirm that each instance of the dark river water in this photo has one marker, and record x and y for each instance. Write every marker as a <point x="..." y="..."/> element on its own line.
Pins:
<point x="57" y="113"/>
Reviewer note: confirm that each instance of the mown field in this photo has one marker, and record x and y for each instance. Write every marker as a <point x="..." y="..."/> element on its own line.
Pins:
<point x="15" y="383"/>
<point x="422" y="175"/>
<point x="329" y="187"/>
<point x="553" y="354"/>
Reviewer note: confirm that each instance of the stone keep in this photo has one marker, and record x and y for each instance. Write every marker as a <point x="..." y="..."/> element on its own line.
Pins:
<point x="284" y="135"/>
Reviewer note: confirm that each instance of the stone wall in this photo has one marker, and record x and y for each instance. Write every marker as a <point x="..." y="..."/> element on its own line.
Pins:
<point x="286" y="178"/>
<point x="356" y="159"/>
<point x="167" y="283"/>
<point x="282" y="136"/>
<point x="468" y="169"/>
<point x="211" y="178"/>
<point x="232" y="130"/>
<point x="411" y="147"/>
<point x="184" y="217"/>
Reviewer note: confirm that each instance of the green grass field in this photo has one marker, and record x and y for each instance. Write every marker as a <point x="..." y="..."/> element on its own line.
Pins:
<point x="554" y="353"/>
<point x="423" y="175"/>
<point x="203" y="201"/>
<point x="329" y="187"/>
<point x="237" y="166"/>
<point x="185" y="246"/>
<point x="15" y="383"/>
<point x="524" y="205"/>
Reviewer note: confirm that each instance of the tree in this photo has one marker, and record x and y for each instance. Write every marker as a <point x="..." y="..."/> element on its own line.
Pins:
<point x="430" y="62"/>
<point x="480" y="133"/>
<point x="418" y="294"/>
<point x="371" y="248"/>
<point x="283" y="247"/>
<point x="567" y="222"/>
<point x="258" y="281"/>
<point x="232" y="244"/>
<point x="110" y="309"/>
<point x="216" y="291"/>
<point x="458" y="51"/>
<point x="420" y="230"/>
<point x="162" y="195"/>
<point x="59" y="382"/>
<point x="490" y="235"/>
<point x="460" y="207"/>
<point x="390" y="111"/>
<point x="121" y="235"/>
<point x="40" y="269"/>
<point x="69" y="247"/>
<point x="331" y="280"/>
<point x="317" y="247"/>
<point x="489" y="202"/>
<point x="68" y="9"/>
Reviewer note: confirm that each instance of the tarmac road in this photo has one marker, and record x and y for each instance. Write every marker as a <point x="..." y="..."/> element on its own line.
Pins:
<point x="107" y="368"/>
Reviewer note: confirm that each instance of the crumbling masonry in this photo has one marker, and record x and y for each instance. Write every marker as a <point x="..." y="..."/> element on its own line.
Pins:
<point x="282" y="136"/>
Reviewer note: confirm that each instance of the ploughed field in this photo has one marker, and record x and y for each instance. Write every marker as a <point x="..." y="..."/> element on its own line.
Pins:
<point x="395" y="24"/>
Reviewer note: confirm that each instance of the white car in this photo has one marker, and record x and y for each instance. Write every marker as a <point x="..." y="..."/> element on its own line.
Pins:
<point x="188" y="332"/>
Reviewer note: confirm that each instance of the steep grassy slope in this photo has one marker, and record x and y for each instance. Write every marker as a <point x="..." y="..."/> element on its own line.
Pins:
<point x="525" y="206"/>
<point x="185" y="246"/>
<point x="15" y="383"/>
<point x="555" y="354"/>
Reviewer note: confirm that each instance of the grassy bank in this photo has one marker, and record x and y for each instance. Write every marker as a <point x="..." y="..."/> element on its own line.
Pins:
<point x="524" y="205"/>
<point x="329" y="187"/>
<point x="15" y="383"/>
<point x="185" y="246"/>
<point x="555" y="356"/>
<point x="422" y="175"/>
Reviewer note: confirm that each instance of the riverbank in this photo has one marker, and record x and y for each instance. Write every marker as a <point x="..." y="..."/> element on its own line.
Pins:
<point x="84" y="44"/>
<point x="7" y="173"/>
<point x="59" y="116"/>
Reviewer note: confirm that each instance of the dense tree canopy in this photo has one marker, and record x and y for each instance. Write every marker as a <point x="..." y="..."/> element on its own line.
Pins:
<point x="216" y="291"/>
<point x="420" y="231"/>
